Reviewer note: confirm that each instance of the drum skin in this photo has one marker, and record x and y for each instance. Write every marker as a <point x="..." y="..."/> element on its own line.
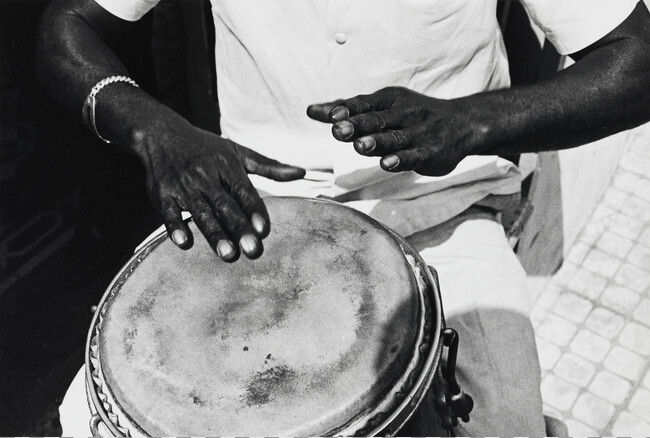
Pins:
<point x="305" y="340"/>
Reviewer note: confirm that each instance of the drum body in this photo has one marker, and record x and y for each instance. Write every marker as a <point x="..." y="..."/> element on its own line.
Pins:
<point x="335" y="330"/>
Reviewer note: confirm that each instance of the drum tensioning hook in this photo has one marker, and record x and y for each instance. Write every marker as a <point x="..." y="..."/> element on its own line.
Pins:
<point x="458" y="403"/>
<point x="455" y="403"/>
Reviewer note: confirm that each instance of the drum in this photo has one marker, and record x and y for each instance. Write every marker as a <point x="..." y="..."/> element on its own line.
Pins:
<point x="336" y="330"/>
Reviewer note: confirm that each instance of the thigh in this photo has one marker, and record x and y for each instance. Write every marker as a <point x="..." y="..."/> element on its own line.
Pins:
<point x="484" y="298"/>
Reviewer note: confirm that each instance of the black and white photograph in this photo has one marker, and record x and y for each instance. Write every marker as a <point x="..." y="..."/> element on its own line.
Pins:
<point x="325" y="218"/>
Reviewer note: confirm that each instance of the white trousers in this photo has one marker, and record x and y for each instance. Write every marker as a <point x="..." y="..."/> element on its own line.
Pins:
<point x="484" y="298"/>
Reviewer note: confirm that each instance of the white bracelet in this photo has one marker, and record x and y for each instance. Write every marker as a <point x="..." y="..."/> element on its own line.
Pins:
<point x="88" y="109"/>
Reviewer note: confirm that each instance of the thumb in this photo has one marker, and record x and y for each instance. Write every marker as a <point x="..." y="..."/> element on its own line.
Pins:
<point x="258" y="164"/>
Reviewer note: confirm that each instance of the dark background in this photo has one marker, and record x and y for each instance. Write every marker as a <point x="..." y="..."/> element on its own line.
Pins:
<point x="73" y="208"/>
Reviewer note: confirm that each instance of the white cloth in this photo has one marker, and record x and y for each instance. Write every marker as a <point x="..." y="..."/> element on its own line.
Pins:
<point x="575" y="24"/>
<point x="275" y="57"/>
<point x="497" y="361"/>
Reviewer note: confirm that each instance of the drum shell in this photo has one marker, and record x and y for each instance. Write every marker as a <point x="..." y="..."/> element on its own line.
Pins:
<point x="109" y="412"/>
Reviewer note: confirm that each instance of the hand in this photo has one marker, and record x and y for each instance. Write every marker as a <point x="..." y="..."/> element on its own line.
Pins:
<point x="408" y="130"/>
<point x="198" y="171"/>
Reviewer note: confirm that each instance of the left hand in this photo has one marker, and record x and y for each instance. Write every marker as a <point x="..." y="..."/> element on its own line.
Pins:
<point x="408" y="130"/>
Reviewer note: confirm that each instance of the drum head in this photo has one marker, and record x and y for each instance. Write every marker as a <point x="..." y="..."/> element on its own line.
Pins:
<point x="299" y="342"/>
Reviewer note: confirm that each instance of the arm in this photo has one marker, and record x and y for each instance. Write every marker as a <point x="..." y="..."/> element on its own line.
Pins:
<point x="187" y="168"/>
<point x="606" y="91"/>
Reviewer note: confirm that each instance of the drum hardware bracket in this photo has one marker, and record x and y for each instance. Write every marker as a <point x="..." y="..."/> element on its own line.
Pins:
<point x="458" y="404"/>
<point x="95" y="420"/>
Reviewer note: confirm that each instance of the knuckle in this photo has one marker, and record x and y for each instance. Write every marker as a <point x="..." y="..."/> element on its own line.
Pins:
<point x="380" y="121"/>
<point x="220" y="203"/>
<point x="358" y="104"/>
<point x="396" y="139"/>
<point x="212" y="231"/>
<point x="201" y="211"/>
<point x="189" y="179"/>
<point x="241" y="188"/>
<point x="395" y="91"/>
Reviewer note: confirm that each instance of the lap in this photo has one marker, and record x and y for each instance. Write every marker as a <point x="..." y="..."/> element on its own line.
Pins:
<point x="484" y="298"/>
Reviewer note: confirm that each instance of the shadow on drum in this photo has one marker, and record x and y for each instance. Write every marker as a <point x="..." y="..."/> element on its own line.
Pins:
<point x="401" y="316"/>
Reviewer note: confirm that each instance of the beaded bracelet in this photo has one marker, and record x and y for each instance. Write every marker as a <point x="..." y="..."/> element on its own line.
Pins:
<point x="88" y="109"/>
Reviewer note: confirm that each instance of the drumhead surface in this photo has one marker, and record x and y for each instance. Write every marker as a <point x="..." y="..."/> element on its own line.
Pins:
<point x="298" y="342"/>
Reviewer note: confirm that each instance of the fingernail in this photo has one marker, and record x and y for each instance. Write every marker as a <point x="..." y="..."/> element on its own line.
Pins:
<point x="179" y="237"/>
<point x="344" y="128"/>
<point x="339" y="113"/>
<point x="225" y="249"/>
<point x="258" y="223"/>
<point x="248" y="244"/>
<point x="368" y="144"/>
<point x="390" y="161"/>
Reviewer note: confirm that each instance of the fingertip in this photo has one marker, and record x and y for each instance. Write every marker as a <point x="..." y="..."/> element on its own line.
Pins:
<point x="318" y="112"/>
<point x="179" y="238"/>
<point x="364" y="145"/>
<point x="182" y="238"/>
<point x="293" y="173"/>
<point x="251" y="246"/>
<point x="300" y="172"/>
<point x="260" y="225"/>
<point x="227" y="251"/>
<point x="343" y="131"/>
<point x="339" y="113"/>
<point x="390" y="162"/>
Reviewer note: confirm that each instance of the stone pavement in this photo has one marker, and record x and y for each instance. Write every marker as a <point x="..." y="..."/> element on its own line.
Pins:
<point x="592" y="318"/>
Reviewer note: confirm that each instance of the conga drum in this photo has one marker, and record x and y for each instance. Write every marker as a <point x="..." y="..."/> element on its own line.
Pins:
<point x="336" y="330"/>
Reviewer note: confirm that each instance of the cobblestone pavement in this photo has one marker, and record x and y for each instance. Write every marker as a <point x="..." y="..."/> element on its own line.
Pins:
<point x="592" y="317"/>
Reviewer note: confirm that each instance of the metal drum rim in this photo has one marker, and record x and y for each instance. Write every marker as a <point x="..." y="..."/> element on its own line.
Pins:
<point x="390" y="424"/>
<point x="407" y="408"/>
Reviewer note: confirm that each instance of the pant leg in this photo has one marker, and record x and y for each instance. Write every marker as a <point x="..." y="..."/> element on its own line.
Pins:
<point x="484" y="298"/>
<point x="74" y="412"/>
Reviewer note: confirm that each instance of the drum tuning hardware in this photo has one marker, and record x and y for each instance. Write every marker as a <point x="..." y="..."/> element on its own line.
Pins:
<point x="459" y="404"/>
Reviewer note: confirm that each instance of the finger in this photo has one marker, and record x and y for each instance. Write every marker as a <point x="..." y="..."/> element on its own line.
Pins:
<point x="366" y="124"/>
<point x="260" y="165"/>
<point x="385" y="143"/>
<point x="377" y="101"/>
<point x="212" y="230"/>
<point x="338" y="110"/>
<point x="426" y="159"/>
<point x="237" y="224"/>
<point x="252" y="206"/>
<point x="321" y="111"/>
<point x="176" y="227"/>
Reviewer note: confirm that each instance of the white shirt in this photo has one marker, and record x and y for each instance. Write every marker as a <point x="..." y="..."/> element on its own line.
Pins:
<point x="275" y="57"/>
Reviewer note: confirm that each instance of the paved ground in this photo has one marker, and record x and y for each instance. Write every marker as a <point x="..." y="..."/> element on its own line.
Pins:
<point x="593" y="316"/>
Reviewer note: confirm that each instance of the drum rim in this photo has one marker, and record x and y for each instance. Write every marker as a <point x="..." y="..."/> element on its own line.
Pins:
<point x="369" y="424"/>
<point x="429" y="296"/>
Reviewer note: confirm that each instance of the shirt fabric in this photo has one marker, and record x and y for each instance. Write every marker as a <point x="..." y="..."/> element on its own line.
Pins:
<point x="275" y="57"/>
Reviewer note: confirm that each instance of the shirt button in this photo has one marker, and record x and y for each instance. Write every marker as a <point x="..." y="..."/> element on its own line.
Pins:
<point x="340" y="37"/>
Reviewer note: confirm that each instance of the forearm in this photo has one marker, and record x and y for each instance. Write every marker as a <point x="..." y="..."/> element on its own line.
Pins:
<point x="74" y="54"/>
<point x="606" y="91"/>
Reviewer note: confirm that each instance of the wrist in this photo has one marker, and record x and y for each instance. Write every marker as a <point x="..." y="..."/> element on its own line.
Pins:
<point x="488" y="125"/>
<point x="88" y="112"/>
<point x="129" y="117"/>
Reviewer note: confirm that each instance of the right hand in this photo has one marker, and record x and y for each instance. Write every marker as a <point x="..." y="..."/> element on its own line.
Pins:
<point x="195" y="170"/>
